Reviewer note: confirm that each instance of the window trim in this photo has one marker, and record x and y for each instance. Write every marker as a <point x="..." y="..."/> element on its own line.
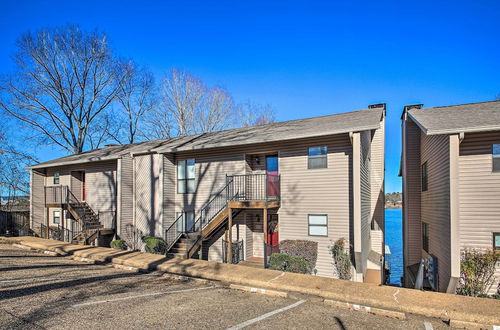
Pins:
<point x="309" y="225"/>
<point x="186" y="179"/>
<point x="425" y="237"/>
<point x="57" y="177"/>
<point x="425" y="179"/>
<point x="496" y="249"/>
<point x="309" y="157"/>
<point x="54" y="217"/>
<point x="493" y="158"/>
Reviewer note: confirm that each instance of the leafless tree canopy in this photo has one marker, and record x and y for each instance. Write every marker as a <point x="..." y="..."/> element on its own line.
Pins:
<point x="136" y="98"/>
<point x="64" y="80"/>
<point x="188" y="107"/>
<point x="251" y="114"/>
<point x="13" y="178"/>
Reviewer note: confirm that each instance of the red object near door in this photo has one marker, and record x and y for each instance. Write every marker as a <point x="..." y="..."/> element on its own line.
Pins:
<point x="84" y="194"/>
<point x="273" y="239"/>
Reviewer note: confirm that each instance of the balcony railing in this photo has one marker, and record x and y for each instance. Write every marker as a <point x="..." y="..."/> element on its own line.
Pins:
<point x="254" y="187"/>
<point x="56" y="194"/>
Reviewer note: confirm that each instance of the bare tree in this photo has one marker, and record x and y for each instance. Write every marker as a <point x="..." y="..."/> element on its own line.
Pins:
<point x="14" y="179"/>
<point x="65" y="79"/>
<point x="216" y="113"/>
<point x="136" y="97"/>
<point x="252" y="114"/>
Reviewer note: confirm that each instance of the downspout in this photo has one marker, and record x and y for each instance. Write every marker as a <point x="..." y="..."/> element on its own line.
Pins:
<point x="356" y="203"/>
<point x="455" y="141"/>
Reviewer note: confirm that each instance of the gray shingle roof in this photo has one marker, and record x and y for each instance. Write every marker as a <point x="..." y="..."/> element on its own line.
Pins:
<point x="289" y="130"/>
<point x="472" y="117"/>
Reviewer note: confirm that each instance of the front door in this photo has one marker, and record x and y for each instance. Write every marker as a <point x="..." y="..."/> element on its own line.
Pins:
<point x="272" y="171"/>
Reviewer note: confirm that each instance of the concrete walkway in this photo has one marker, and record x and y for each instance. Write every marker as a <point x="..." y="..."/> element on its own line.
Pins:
<point x="460" y="311"/>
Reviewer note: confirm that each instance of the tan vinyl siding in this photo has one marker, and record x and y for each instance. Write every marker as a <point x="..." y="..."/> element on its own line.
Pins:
<point x="211" y="169"/>
<point x="411" y="194"/>
<point x="318" y="191"/>
<point x="127" y="199"/>
<point x="100" y="180"/>
<point x="365" y="191"/>
<point x="435" y="207"/>
<point x="148" y="195"/>
<point x="377" y="175"/>
<point x="479" y="193"/>
<point x="169" y="187"/>
<point x="37" y="194"/>
<point x="303" y="191"/>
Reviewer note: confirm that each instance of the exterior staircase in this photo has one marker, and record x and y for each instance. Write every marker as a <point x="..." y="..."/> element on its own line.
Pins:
<point x="184" y="240"/>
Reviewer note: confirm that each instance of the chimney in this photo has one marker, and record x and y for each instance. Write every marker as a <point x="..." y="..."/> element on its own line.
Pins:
<point x="377" y="106"/>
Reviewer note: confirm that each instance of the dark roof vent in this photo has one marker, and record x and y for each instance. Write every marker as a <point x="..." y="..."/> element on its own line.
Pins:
<point x="111" y="145"/>
<point x="413" y="106"/>
<point x="377" y="106"/>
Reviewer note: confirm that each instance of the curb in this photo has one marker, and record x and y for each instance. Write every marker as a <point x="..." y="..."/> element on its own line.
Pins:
<point x="471" y="325"/>
<point x="366" y="309"/>
<point x="272" y="293"/>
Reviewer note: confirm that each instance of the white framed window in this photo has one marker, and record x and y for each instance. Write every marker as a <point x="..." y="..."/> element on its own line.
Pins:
<point x="56" y="177"/>
<point x="186" y="176"/>
<point x="496" y="242"/>
<point x="56" y="217"/>
<point x="495" y="152"/>
<point x="317" y="157"/>
<point x="318" y="224"/>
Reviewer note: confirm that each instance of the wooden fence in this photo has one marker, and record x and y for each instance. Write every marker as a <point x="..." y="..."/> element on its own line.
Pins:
<point x="15" y="223"/>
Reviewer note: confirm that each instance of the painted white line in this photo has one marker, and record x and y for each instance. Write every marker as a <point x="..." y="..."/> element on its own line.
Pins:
<point x="265" y="316"/>
<point x="428" y="326"/>
<point x="139" y="296"/>
<point x="280" y="275"/>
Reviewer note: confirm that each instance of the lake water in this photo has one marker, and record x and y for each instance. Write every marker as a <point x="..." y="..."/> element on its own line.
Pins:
<point x="394" y="238"/>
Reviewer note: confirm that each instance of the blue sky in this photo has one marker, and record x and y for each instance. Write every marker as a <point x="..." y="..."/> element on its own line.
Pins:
<point x="304" y="58"/>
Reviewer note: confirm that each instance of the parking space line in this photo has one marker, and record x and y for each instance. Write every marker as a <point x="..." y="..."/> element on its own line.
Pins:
<point x="265" y="316"/>
<point x="428" y="325"/>
<point x="140" y="296"/>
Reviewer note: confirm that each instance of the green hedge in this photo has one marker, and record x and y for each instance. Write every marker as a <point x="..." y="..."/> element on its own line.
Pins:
<point x="288" y="263"/>
<point x="154" y="244"/>
<point x="118" y="244"/>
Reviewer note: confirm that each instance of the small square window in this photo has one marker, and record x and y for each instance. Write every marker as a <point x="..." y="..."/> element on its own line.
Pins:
<point x="317" y="157"/>
<point x="496" y="242"/>
<point x="424" y="176"/>
<point x="318" y="225"/>
<point x="56" y="217"/>
<point x="495" y="151"/>
<point x="425" y="237"/>
<point x="56" y="178"/>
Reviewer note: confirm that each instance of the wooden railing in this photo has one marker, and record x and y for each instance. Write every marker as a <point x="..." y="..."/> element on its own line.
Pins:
<point x="56" y="194"/>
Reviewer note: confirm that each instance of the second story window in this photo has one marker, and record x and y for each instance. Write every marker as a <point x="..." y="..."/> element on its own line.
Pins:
<point x="317" y="157"/>
<point x="424" y="176"/>
<point x="56" y="178"/>
<point x="425" y="237"/>
<point x="185" y="176"/>
<point x="496" y="158"/>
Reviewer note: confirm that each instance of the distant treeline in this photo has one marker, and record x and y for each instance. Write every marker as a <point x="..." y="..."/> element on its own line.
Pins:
<point x="393" y="199"/>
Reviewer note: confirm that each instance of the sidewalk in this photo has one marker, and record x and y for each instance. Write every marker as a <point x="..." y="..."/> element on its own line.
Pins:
<point x="457" y="309"/>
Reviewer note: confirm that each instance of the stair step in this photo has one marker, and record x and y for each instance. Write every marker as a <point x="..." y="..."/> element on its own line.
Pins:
<point x="177" y="255"/>
<point x="179" y="250"/>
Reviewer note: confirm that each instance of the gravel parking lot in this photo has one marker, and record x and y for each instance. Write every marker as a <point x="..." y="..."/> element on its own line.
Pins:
<point x="40" y="291"/>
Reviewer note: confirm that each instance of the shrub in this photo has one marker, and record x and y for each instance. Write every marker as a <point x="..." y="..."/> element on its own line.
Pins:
<point x="477" y="272"/>
<point x="287" y="263"/>
<point x="307" y="250"/>
<point x="341" y="259"/>
<point x="118" y="244"/>
<point x="154" y="244"/>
